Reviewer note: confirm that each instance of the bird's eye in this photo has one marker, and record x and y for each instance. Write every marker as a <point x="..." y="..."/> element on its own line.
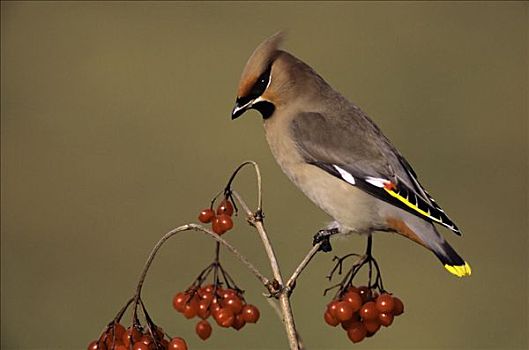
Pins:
<point x="260" y="85"/>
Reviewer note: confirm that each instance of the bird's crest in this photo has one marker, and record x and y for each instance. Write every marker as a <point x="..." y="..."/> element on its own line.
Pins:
<point x="259" y="61"/>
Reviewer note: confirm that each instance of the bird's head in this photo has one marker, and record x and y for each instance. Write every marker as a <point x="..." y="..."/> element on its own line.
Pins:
<point x="265" y="80"/>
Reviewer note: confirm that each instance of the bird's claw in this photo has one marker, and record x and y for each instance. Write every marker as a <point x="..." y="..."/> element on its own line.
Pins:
<point x="323" y="238"/>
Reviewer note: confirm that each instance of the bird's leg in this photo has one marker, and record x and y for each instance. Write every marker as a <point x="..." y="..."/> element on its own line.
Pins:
<point x="323" y="237"/>
<point x="369" y="245"/>
<point x="371" y="262"/>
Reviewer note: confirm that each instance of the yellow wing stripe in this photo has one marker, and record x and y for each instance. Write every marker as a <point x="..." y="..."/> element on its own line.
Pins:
<point x="459" y="271"/>
<point x="412" y="206"/>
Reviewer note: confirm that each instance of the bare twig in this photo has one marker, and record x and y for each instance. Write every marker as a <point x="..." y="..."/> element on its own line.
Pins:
<point x="306" y="260"/>
<point x="259" y="185"/>
<point x="259" y="226"/>
<point x="279" y="312"/>
<point x="283" y="296"/>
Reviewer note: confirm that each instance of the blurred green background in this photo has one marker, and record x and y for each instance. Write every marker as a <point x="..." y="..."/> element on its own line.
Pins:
<point x="116" y="128"/>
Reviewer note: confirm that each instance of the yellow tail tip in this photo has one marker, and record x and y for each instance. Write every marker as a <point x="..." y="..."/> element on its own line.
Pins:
<point x="459" y="271"/>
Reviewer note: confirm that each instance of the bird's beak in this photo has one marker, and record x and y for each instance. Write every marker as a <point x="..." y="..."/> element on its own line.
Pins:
<point x="240" y="108"/>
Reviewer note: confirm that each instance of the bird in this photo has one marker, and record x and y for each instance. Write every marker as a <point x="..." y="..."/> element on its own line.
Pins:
<point x="336" y="155"/>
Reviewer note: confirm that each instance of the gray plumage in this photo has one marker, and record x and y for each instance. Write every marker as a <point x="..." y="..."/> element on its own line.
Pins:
<point x="337" y="156"/>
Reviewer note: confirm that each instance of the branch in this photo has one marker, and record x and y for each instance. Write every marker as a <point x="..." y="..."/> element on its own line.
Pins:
<point x="277" y="289"/>
<point x="284" y="302"/>
<point x="194" y="227"/>
<point x="292" y="280"/>
<point x="279" y="312"/>
<point x="258" y="224"/>
<point x="259" y="185"/>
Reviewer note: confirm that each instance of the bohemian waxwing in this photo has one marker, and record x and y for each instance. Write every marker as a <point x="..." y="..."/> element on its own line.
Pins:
<point x="337" y="156"/>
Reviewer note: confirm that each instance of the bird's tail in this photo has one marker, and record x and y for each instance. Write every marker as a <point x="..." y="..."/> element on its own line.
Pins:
<point x="425" y="234"/>
<point x="451" y="260"/>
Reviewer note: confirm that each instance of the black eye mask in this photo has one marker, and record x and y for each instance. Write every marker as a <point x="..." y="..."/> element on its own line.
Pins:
<point x="258" y="88"/>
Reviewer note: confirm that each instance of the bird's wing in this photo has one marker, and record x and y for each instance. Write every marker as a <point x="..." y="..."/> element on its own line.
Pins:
<point x="353" y="149"/>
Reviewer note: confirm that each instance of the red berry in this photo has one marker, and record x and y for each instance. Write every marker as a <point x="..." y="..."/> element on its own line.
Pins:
<point x="121" y="346"/>
<point x="177" y="343"/>
<point x="225" y="207"/>
<point x="352" y="289"/>
<point x="234" y="303"/>
<point x="225" y="222"/>
<point x="347" y="324"/>
<point x="179" y="301"/>
<point x="250" y="313"/>
<point x="206" y="296"/>
<point x="369" y="311"/>
<point x="224" y="317"/>
<point x="164" y="344"/>
<point x="145" y="339"/>
<point x="203" y="309"/>
<point x="119" y="330"/>
<point x="226" y="293"/>
<point x="96" y="345"/>
<point x="191" y="307"/>
<point x="331" y="307"/>
<point x="202" y="291"/>
<point x="215" y="226"/>
<point x="385" y="303"/>
<point x="203" y="329"/>
<point x="214" y="307"/>
<point x="141" y="346"/>
<point x="357" y="332"/>
<point x="354" y="299"/>
<point x="330" y="319"/>
<point x="372" y="326"/>
<point x="386" y="319"/>
<point x="131" y="336"/>
<point x="209" y="288"/>
<point x="398" y="308"/>
<point x="206" y="215"/>
<point x="365" y="293"/>
<point x="344" y="311"/>
<point x="114" y="335"/>
<point x="238" y="322"/>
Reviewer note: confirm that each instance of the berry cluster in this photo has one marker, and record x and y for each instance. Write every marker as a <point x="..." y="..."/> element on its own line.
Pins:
<point x="116" y="337"/>
<point x="361" y="311"/>
<point x="221" y="221"/>
<point x="226" y="305"/>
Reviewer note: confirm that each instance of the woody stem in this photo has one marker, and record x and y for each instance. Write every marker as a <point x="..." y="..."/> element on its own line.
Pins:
<point x="281" y="293"/>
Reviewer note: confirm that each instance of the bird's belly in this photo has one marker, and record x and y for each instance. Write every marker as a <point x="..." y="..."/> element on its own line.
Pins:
<point x="352" y="208"/>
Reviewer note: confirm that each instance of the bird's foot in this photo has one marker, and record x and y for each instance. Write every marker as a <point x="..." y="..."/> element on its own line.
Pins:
<point x="323" y="238"/>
